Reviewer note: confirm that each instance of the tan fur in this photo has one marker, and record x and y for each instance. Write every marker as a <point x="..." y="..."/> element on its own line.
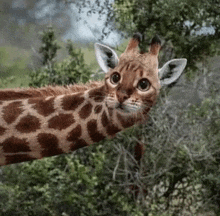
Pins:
<point x="132" y="46"/>
<point x="19" y="93"/>
<point x="154" y="49"/>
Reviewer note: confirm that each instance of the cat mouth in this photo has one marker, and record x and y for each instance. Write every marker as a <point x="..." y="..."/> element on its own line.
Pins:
<point x="121" y="108"/>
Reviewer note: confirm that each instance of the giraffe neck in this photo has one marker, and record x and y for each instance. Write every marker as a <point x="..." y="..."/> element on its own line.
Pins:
<point x="37" y="127"/>
<point x="17" y="94"/>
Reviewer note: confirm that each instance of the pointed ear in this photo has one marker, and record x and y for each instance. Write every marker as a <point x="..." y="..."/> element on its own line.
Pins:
<point x="106" y="57"/>
<point x="171" y="71"/>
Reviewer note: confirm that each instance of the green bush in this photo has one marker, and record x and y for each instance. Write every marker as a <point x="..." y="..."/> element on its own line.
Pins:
<point x="64" y="185"/>
<point x="208" y="163"/>
<point x="71" y="70"/>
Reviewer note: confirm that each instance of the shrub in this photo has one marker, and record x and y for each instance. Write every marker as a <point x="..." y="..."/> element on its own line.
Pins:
<point x="71" y="70"/>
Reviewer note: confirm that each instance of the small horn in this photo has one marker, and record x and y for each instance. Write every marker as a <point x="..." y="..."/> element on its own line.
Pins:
<point x="155" y="45"/>
<point x="133" y="43"/>
<point x="137" y="36"/>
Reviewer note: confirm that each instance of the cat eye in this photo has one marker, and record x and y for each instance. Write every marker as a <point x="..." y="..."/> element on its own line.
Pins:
<point x="115" y="78"/>
<point x="143" y="85"/>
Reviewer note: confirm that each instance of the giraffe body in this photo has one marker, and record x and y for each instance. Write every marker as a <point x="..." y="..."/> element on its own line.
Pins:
<point x="35" y="123"/>
<point x="37" y="127"/>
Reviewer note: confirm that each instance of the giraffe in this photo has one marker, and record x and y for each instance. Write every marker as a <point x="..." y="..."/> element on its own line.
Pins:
<point x="47" y="121"/>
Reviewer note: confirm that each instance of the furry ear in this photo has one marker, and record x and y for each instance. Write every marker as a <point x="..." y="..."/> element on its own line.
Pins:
<point x="106" y="57"/>
<point x="171" y="71"/>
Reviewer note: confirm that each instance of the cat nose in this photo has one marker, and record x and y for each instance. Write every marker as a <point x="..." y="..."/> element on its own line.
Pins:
<point x="122" y="96"/>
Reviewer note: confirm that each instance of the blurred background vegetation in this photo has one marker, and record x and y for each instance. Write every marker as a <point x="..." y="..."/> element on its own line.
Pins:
<point x="179" y="171"/>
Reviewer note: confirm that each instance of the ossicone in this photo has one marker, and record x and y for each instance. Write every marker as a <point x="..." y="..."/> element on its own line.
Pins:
<point x="137" y="36"/>
<point x="155" y="45"/>
<point x="156" y="40"/>
<point x="134" y="42"/>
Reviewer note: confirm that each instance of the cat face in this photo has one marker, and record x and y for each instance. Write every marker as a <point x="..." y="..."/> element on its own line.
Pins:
<point x="132" y="87"/>
<point x="133" y="81"/>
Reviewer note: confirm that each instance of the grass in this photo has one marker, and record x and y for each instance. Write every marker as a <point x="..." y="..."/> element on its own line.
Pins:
<point x="14" y="67"/>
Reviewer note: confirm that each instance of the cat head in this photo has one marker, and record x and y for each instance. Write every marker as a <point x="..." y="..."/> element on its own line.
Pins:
<point x="133" y="81"/>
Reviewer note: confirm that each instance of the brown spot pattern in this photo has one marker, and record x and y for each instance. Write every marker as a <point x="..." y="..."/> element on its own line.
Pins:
<point x="97" y="94"/>
<point x="71" y="102"/>
<point x="44" y="107"/>
<point x="110" y="111"/>
<point x="132" y="67"/>
<point x="75" y="133"/>
<point x="10" y="159"/>
<point x="104" y="119"/>
<point x="80" y="143"/>
<point x="61" y="121"/>
<point x="141" y="73"/>
<point x="49" y="144"/>
<point x="126" y="67"/>
<point x="12" y="111"/>
<point x="146" y="110"/>
<point x="112" y="129"/>
<point x="21" y="94"/>
<point x="85" y="111"/>
<point x="28" y="124"/>
<point x="98" y="109"/>
<point x="14" y="145"/>
<point x="2" y="130"/>
<point x="126" y="121"/>
<point x="92" y="128"/>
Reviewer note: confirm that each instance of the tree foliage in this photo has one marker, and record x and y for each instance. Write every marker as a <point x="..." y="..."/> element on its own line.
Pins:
<point x="71" y="70"/>
<point x="63" y="185"/>
<point x="180" y="23"/>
